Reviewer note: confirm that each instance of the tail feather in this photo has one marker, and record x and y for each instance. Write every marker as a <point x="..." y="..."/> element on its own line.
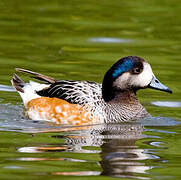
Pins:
<point x="18" y="83"/>
<point x="38" y="76"/>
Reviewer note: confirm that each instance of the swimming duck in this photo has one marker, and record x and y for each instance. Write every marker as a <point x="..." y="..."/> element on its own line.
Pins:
<point x="83" y="102"/>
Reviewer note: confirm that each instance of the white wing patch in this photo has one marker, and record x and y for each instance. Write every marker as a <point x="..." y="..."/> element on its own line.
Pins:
<point x="30" y="91"/>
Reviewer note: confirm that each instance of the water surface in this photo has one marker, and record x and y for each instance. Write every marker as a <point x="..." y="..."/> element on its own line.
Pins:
<point x="80" y="40"/>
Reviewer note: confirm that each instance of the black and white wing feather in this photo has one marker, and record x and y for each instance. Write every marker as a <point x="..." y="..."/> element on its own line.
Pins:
<point x="75" y="92"/>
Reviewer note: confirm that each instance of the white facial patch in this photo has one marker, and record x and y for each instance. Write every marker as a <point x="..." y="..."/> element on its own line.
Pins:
<point x="122" y="81"/>
<point x="144" y="78"/>
<point x="127" y="80"/>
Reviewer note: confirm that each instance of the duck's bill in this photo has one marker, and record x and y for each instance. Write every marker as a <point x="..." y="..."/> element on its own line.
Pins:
<point x="156" y="84"/>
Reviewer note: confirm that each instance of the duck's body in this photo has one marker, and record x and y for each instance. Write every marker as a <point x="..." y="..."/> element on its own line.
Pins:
<point x="83" y="102"/>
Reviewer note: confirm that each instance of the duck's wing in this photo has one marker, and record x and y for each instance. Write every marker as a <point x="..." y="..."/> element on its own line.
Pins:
<point x="76" y="92"/>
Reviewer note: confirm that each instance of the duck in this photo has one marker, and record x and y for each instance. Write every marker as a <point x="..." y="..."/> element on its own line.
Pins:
<point x="69" y="102"/>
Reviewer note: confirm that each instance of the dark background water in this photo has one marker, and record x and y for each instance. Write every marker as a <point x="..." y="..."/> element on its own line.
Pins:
<point x="80" y="40"/>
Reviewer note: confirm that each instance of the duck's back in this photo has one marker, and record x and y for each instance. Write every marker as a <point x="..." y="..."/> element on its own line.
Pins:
<point x="74" y="92"/>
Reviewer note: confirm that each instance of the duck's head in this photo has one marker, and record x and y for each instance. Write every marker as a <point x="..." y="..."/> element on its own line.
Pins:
<point x="130" y="73"/>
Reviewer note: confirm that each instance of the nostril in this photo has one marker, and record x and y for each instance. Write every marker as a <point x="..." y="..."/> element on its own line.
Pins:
<point x="156" y="81"/>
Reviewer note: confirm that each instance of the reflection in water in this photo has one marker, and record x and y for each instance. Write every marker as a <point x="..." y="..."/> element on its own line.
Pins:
<point x="115" y="143"/>
<point x="7" y="88"/>
<point x="78" y="173"/>
<point x="120" y="158"/>
<point x="167" y="103"/>
<point x="110" y="40"/>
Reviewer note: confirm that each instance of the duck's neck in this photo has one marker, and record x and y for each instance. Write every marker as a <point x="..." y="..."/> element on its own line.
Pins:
<point x="127" y="97"/>
<point x="127" y="105"/>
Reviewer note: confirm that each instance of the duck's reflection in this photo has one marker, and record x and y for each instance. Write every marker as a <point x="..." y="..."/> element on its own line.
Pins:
<point x="116" y="144"/>
<point x="122" y="158"/>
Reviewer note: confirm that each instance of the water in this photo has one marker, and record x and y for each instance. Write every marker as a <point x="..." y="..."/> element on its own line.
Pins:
<point x="80" y="40"/>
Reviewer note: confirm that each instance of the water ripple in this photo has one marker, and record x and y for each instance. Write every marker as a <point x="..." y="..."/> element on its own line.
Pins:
<point x="167" y="103"/>
<point x="6" y="88"/>
<point x="110" y="40"/>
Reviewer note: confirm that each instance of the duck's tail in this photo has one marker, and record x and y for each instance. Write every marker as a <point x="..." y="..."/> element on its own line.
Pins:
<point x="38" y="76"/>
<point x="28" y="91"/>
<point x="18" y="83"/>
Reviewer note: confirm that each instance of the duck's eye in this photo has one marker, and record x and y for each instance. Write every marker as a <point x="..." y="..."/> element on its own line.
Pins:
<point x="136" y="70"/>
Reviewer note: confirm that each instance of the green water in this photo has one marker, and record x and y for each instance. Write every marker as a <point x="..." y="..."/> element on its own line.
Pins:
<point x="80" y="40"/>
